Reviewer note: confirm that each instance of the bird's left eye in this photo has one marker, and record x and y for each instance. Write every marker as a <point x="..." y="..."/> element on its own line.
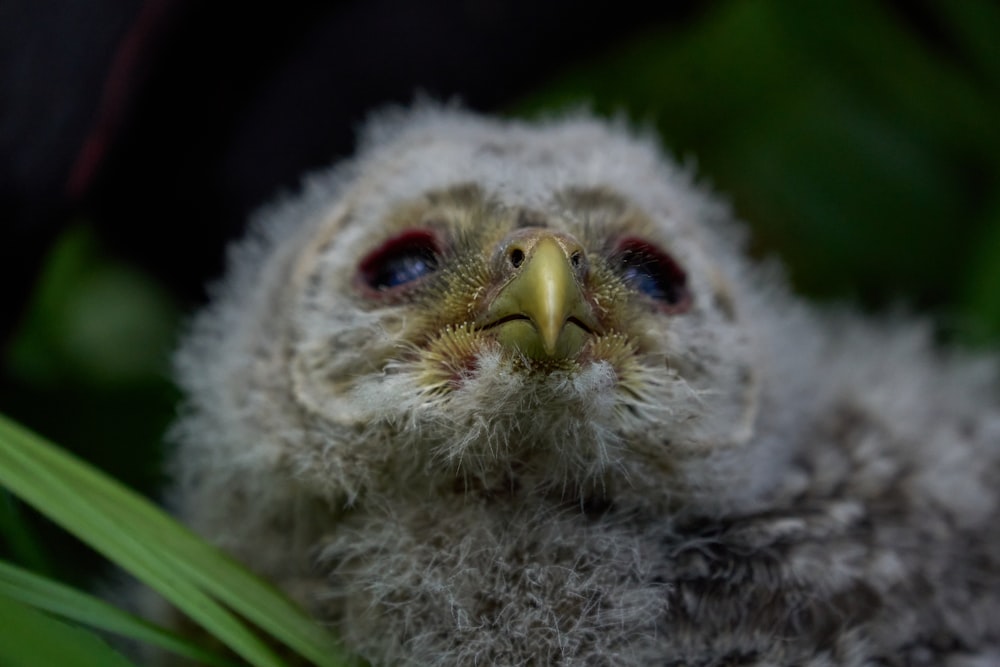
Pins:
<point x="400" y="261"/>
<point x="653" y="272"/>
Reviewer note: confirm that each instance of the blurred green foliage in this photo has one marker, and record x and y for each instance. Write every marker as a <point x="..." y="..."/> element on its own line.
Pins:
<point x="860" y="142"/>
<point x="862" y="150"/>
<point x="201" y="581"/>
<point x="89" y="368"/>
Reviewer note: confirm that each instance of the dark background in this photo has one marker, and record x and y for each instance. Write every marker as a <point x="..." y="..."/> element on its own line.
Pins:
<point x="859" y="139"/>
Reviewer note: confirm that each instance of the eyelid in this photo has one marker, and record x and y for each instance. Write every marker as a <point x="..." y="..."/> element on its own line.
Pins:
<point x="653" y="272"/>
<point x="400" y="262"/>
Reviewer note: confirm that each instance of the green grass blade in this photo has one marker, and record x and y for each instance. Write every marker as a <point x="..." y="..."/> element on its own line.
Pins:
<point x="231" y="583"/>
<point x="142" y="539"/>
<point x="61" y="600"/>
<point x="29" y="638"/>
<point x="61" y="488"/>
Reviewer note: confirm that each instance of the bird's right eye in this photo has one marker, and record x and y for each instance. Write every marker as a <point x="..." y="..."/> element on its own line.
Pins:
<point x="401" y="261"/>
<point x="653" y="272"/>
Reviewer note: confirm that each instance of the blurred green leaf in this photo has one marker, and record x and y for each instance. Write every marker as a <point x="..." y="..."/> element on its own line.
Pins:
<point x="93" y="319"/>
<point x="140" y="538"/>
<point x="859" y="149"/>
<point x="89" y="367"/>
<point x="30" y="639"/>
<point x="55" y="598"/>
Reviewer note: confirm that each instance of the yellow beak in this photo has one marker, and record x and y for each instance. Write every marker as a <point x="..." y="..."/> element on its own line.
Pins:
<point x="542" y="312"/>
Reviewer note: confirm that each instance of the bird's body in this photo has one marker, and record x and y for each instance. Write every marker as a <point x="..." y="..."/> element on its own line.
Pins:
<point x="500" y="393"/>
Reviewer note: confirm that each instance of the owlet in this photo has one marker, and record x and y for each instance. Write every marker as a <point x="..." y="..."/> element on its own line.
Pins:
<point x="507" y="393"/>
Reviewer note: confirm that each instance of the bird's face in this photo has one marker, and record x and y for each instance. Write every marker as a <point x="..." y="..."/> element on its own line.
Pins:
<point x="570" y="343"/>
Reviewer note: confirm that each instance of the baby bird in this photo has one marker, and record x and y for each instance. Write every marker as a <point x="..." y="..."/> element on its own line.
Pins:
<point x="503" y="393"/>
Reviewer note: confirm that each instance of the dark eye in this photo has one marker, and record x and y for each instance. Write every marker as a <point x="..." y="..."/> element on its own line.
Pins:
<point x="400" y="261"/>
<point x="650" y="270"/>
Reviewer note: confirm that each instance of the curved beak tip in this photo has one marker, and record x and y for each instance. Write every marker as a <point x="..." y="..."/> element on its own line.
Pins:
<point x="546" y="292"/>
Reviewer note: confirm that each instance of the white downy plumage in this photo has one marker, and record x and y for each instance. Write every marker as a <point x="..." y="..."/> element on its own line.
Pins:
<point x="719" y="474"/>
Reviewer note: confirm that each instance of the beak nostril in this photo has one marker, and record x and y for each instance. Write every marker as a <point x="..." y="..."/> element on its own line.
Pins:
<point x="539" y="308"/>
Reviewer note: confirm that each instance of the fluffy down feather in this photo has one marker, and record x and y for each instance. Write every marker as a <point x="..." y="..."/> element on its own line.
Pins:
<point x="721" y="477"/>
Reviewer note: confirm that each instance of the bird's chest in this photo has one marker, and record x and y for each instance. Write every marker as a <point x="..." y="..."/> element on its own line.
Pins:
<point x="426" y="582"/>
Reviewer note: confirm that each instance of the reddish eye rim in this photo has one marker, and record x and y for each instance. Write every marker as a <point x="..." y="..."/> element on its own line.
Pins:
<point x="670" y="270"/>
<point x="414" y="241"/>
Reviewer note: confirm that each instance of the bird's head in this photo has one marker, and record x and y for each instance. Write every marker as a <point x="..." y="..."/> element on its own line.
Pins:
<point x="485" y="305"/>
